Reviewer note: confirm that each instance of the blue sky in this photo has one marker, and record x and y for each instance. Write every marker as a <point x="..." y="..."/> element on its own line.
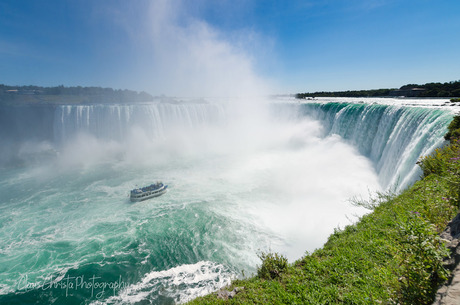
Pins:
<point x="209" y="47"/>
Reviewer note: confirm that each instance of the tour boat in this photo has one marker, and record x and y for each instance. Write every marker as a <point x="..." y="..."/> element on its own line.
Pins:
<point x="143" y="193"/>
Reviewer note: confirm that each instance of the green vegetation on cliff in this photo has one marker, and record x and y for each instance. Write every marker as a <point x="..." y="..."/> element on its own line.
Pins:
<point x="453" y="129"/>
<point x="393" y="255"/>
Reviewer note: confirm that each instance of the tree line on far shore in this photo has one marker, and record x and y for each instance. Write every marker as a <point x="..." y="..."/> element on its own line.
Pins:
<point x="77" y="95"/>
<point x="449" y="89"/>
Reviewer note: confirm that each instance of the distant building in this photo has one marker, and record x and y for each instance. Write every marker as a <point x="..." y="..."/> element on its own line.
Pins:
<point x="24" y="92"/>
<point x="410" y="92"/>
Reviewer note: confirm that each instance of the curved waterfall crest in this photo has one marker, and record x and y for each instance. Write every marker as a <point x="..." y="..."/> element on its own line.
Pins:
<point x="392" y="137"/>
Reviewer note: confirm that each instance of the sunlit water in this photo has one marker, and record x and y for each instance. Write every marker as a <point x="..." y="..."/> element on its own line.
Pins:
<point x="238" y="185"/>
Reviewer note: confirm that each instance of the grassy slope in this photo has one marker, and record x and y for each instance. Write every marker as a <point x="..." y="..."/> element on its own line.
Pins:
<point x="392" y="255"/>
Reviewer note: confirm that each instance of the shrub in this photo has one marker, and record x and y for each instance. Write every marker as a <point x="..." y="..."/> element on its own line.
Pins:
<point x="421" y="255"/>
<point x="273" y="264"/>
<point x="434" y="163"/>
<point x="453" y="129"/>
<point x="445" y="164"/>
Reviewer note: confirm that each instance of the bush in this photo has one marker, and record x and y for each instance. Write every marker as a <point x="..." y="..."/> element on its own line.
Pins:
<point x="273" y="264"/>
<point x="445" y="164"/>
<point x="421" y="254"/>
<point x="453" y="129"/>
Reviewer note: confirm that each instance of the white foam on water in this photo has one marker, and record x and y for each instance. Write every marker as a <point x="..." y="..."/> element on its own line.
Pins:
<point x="181" y="284"/>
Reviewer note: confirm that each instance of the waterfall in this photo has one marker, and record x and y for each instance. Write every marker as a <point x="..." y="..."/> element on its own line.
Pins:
<point x="393" y="137"/>
<point x="114" y="122"/>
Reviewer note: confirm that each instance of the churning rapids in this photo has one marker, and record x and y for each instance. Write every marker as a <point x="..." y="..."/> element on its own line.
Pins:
<point x="243" y="178"/>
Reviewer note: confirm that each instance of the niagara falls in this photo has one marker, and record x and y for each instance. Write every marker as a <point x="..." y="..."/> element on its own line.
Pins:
<point x="246" y="152"/>
<point x="278" y="180"/>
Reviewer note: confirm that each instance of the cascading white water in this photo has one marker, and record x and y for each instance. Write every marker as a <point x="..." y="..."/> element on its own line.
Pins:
<point x="113" y="122"/>
<point x="393" y="137"/>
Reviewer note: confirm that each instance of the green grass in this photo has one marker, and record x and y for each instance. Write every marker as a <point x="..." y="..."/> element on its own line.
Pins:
<point x="392" y="255"/>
